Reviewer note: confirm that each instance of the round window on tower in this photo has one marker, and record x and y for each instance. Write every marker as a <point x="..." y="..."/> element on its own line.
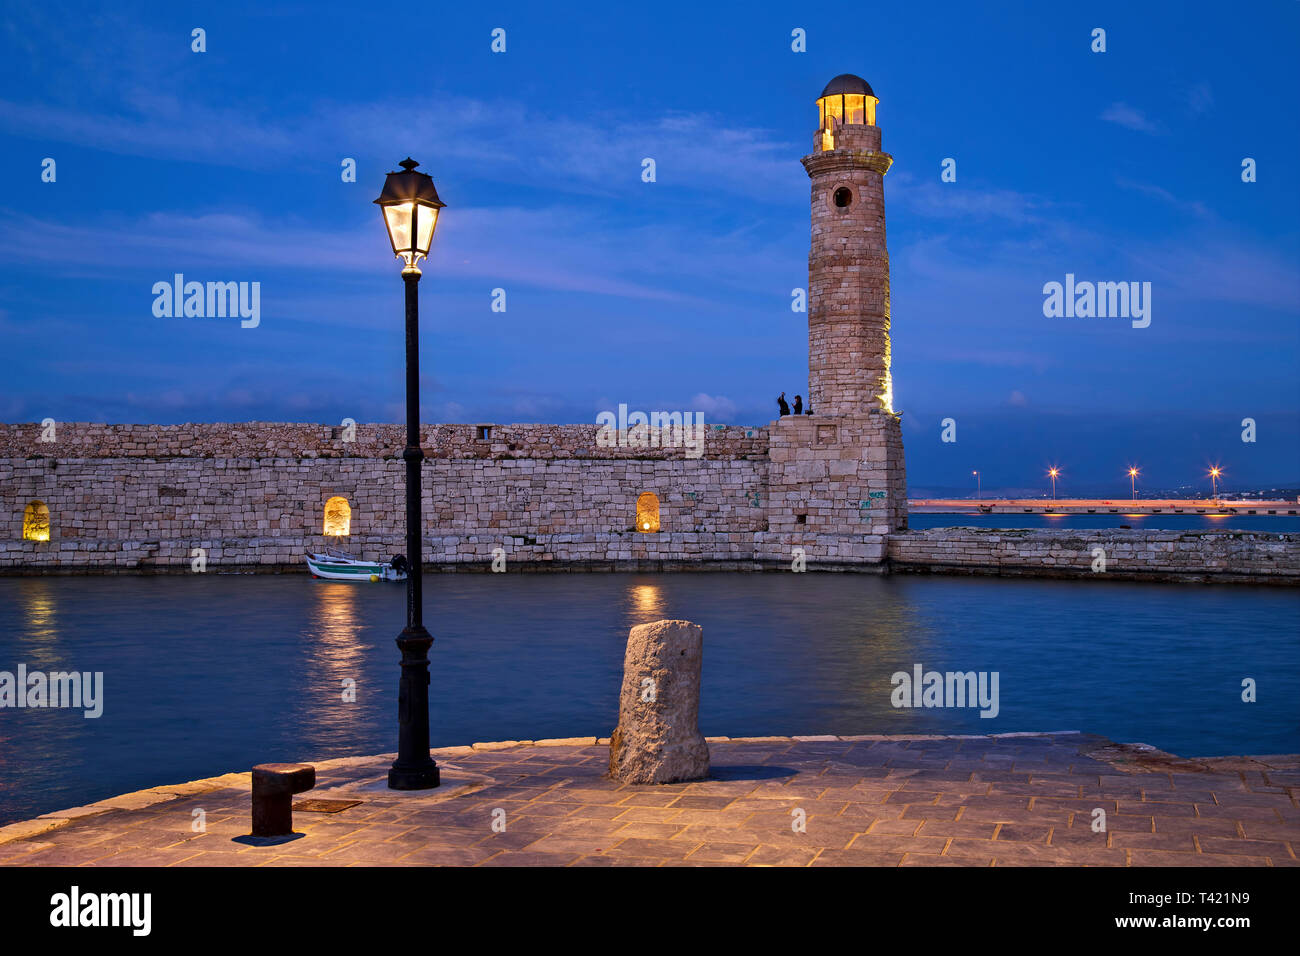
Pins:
<point x="843" y="197"/>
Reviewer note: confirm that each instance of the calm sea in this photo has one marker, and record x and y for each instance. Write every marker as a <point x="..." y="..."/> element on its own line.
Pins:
<point x="210" y="673"/>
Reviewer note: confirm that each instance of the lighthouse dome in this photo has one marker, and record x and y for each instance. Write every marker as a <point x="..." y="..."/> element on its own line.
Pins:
<point x="848" y="83"/>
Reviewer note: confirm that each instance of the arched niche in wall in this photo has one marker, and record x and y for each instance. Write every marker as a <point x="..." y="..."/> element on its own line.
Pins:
<point x="36" y="521"/>
<point x="338" y="517"/>
<point x="647" y="513"/>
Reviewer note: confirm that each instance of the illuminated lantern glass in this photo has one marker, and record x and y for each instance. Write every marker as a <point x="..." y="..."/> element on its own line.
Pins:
<point x="847" y="101"/>
<point x="410" y="205"/>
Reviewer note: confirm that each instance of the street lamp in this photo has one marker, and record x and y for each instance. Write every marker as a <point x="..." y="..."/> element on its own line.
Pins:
<point x="1215" y="472"/>
<point x="1053" y="472"/>
<point x="978" y="481"/>
<point x="1132" y="482"/>
<point x="410" y="206"/>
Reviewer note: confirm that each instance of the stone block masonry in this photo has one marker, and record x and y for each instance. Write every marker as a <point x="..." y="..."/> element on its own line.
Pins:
<point x="137" y="498"/>
<point x="1223" y="557"/>
<point x="252" y="496"/>
<point x="848" y="275"/>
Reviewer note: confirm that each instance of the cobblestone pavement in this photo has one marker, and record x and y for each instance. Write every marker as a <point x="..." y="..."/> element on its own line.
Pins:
<point x="1010" y="800"/>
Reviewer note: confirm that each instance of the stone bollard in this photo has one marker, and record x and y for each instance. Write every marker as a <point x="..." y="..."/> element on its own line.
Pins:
<point x="274" y="785"/>
<point x="658" y="739"/>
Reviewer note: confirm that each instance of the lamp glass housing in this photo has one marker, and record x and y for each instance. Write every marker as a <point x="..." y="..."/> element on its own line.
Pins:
<point x="410" y="205"/>
<point x="426" y="220"/>
<point x="844" y="109"/>
<point x="410" y="229"/>
<point x="398" y="220"/>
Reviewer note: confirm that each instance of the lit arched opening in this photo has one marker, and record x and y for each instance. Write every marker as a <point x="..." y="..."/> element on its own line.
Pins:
<point x="36" y="522"/>
<point x="647" y="513"/>
<point x="338" y="517"/>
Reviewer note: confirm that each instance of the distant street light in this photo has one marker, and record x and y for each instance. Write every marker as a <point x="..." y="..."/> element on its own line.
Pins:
<point x="1052" y="473"/>
<point x="978" y="491"/>
<point x="1132" y="482"/>
<point x="1215" y="472"/>
<point x="410" y="205"/>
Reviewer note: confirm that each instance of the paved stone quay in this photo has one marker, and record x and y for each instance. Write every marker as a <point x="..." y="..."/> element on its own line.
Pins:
<point x="1009" y="800"/>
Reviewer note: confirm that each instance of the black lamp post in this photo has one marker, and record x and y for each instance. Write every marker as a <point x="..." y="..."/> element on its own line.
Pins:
<point x="410" y="205"/>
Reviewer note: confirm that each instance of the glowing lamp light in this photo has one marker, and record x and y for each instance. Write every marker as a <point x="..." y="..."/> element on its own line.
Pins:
<point x="410" y="205"/>
<point x="887" y="396"/>
<point x="36" y="522"/>
<point x="846" y="100"/>
<point x="338" y="517"/>
<point x="647" y="513"/>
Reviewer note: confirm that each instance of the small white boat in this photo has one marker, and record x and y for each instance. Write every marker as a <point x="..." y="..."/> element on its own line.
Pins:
<point x="336" y="565"/>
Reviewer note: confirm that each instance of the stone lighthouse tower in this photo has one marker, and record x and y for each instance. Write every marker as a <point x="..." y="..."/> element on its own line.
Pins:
<point x="836" y="483"/>
<point x="848" y="265"/>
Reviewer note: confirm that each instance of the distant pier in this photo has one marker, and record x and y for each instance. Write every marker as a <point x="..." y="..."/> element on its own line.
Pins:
<point x="1089" y="506"/>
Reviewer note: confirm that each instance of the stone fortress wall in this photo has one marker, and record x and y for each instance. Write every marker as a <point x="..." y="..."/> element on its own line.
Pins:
<point x="141" y="498"/>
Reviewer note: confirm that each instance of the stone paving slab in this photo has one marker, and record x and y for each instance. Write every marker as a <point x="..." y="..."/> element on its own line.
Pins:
<point x="869" y="800"/>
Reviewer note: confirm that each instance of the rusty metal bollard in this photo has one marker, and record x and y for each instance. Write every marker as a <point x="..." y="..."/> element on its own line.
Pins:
<point x="274" y="785"/>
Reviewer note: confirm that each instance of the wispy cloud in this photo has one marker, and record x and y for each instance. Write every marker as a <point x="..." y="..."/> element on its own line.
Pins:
<point x="715" y="408"/>
<point x="946" y="201"/>
<point x="598" y="154"/>
<point x="1192" y="206"/>
<point x="1130" y="117"/>
<point x="1213" y="267"/>
<point x="1200" y="99"/>
<point x="558" y="248"/>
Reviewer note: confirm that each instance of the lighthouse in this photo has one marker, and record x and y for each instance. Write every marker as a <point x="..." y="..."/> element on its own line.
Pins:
<point x="837" y="486"/>
<point x="848" y="264"/>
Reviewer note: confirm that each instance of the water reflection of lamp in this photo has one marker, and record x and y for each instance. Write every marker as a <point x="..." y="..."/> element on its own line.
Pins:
<point x="337" y="648"/>
<point x="40" y="610"/>
<point x="335" y="653"/>
<point x="646" y="599"/>
<point x="41" y="634"/>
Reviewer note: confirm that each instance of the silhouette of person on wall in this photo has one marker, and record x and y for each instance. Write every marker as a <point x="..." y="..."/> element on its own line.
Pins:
<point x="798" y="404"/>
<point x="781" y="404"/>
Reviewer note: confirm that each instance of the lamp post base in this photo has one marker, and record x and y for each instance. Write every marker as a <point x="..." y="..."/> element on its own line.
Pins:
<point x="425" y="779"/>
<point x="413" y="769"/>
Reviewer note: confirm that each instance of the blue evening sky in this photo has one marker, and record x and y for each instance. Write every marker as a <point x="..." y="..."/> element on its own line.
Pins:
<point x="225" y="165"/>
